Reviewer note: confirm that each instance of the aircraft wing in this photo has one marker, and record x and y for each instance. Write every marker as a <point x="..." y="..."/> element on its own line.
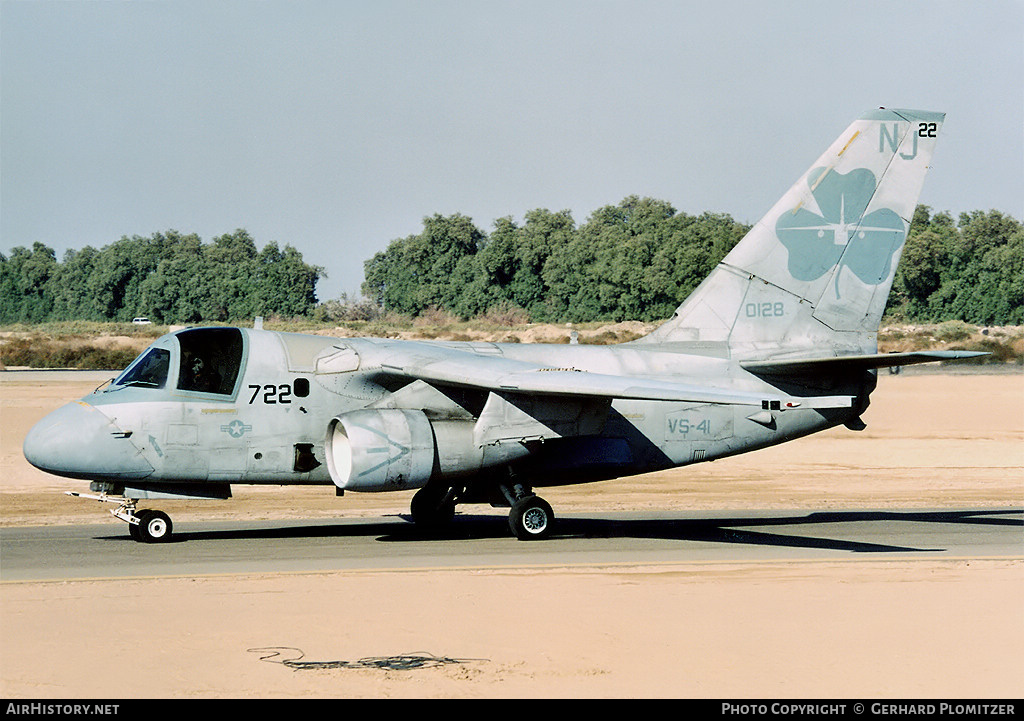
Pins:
<point x="503" y="375"/>
<point x="846" y="364"/>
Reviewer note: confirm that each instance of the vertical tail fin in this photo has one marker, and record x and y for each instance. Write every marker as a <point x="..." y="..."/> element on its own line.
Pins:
<point x="817" y="268"/>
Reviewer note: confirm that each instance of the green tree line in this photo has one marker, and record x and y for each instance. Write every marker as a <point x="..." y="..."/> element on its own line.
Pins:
<point x="639" y="259"/>
<point x="168" y="277"/>
<point x="970" y="270"/>
<point x="633" y="261"/>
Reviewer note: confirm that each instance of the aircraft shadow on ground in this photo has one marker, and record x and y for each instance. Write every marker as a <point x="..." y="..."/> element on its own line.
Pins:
<point x="757" y="530"/>
<point x="739" y="529"/>
<point x="744" y="529"/>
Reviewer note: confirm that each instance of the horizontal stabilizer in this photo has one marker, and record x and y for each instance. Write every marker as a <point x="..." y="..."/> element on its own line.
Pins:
<point x="846" y="364"/>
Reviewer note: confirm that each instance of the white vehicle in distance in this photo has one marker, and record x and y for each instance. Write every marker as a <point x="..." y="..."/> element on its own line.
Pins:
<point x="142" y="321"/>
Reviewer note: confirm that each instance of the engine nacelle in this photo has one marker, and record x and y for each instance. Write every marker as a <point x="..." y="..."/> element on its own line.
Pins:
<point x="391" y="449"/>
<point x="380" y="450"/>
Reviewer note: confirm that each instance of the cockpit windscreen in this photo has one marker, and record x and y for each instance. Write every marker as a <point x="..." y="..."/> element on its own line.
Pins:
<point x="150" y="371"/>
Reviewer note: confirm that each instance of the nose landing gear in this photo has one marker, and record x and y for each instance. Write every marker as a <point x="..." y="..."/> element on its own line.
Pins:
<point x="145" y="526"/>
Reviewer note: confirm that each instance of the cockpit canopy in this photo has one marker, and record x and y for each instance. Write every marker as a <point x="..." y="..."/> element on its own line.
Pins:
<point x="202" y="360"/>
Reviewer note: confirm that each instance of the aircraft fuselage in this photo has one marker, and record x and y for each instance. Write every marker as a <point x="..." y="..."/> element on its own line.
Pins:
<point x="271" y="425"/>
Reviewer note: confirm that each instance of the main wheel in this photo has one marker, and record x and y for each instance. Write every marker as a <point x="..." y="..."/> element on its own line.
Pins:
<point x="431" y="507"/>
<point x="154" y="526"/>
<point x="531" y="518"/>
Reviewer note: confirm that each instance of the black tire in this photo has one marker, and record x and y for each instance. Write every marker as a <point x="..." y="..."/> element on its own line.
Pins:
<point x="154" y="527"/>
<point x="531" y="518"/>
<point x="429" y="509"/>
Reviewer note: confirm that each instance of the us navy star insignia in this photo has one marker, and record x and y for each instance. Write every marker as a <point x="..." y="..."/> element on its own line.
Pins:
<point x="236" y="429"/>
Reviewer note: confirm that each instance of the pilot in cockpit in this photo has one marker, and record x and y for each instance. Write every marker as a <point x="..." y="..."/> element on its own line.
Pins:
<point x="201" y="376"/>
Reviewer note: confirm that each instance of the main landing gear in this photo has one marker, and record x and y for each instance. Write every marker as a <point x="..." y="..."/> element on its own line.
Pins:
<point x="530" y="517"/>
<point x="145" y="526"/>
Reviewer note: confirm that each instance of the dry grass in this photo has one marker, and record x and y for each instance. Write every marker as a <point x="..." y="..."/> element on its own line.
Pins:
<point x="87" y="345"/>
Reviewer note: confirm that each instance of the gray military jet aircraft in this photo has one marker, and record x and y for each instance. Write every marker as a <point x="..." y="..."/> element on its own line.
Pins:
<point x="778" y="342"/>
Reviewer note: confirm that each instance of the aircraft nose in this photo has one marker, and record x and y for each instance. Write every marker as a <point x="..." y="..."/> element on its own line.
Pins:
<point x="78" y="441"/>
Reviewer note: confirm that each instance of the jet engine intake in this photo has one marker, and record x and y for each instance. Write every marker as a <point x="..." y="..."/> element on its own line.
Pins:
<point x="380" y="450"/>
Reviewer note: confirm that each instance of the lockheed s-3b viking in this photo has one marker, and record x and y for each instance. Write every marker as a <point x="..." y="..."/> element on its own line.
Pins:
<point x="778" y="342"/>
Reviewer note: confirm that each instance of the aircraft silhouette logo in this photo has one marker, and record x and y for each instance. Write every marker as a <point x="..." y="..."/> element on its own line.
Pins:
<point x="842" y="235"/>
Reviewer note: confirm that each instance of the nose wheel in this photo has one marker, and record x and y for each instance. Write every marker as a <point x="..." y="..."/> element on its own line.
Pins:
<point x="145" y="526"/>
<point x="152" y="527"/>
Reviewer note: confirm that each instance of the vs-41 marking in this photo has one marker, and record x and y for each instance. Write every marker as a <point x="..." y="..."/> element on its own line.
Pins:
<point x="684" y="426"/>
<point x="704" y="423"/>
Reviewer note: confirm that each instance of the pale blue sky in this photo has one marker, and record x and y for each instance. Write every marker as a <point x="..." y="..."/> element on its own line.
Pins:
<point x="337" y="127"/>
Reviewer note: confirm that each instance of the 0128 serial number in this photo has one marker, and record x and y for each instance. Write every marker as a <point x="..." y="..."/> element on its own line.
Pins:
<point x="765" y="310"/>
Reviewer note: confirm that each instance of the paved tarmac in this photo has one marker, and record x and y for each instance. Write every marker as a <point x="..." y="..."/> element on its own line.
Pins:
<point x="484" y="541"/>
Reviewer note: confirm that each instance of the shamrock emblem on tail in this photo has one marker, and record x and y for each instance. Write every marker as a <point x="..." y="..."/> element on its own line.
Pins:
<point x="842" y="234"/>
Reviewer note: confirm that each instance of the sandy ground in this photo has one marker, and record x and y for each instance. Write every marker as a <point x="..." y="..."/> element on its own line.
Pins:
<point x="821" y="629"/>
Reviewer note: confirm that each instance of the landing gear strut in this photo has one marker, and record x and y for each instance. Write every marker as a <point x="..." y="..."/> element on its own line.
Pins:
<point x="145" y="526"/>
